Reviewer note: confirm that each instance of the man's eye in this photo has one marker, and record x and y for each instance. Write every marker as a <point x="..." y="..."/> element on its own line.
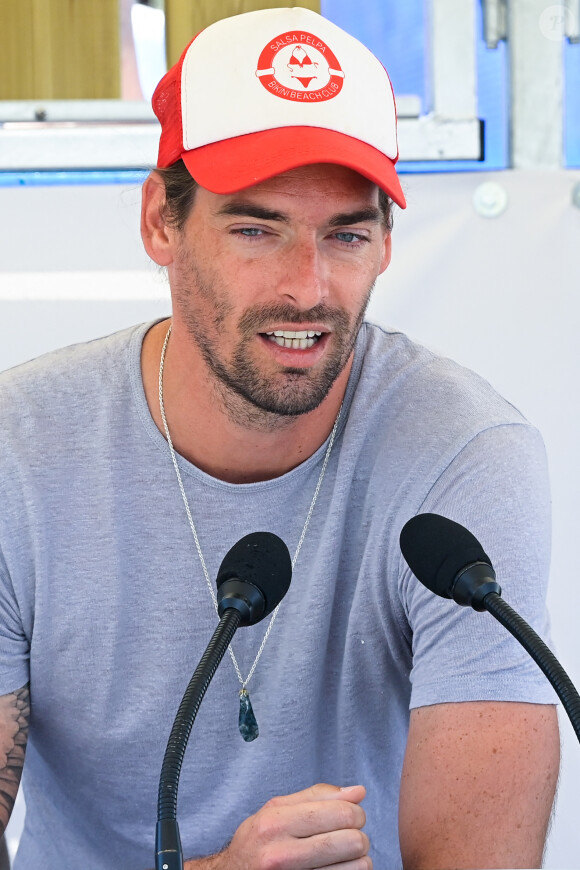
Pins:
<point x="252" y="232"/>
<point x="349" y="238"/>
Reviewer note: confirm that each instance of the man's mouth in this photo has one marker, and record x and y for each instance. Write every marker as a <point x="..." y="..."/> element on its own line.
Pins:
<point x="297" y="340"/>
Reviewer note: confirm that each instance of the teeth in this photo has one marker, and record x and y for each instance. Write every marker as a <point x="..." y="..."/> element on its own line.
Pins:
<point x="280" y="333"/>
<point x="294" y="343"/>
<point x="297" y="340"/>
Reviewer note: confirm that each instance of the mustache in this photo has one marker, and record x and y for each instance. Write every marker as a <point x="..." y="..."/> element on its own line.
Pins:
<point x="257" y="317"/>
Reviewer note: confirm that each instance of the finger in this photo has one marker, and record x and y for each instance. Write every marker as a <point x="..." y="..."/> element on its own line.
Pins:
<point x="312" y="818"/>
<point x="359" y="864"/>
<point x="329" y="850"/>
<point x="353" y="793"/>
<point x="322" y="791"/>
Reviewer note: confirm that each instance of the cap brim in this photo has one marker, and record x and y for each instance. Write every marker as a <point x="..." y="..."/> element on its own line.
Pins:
<point x="234" y="164"/>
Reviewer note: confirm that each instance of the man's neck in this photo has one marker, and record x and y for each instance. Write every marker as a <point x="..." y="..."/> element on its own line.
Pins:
<point x="221" y="443"/>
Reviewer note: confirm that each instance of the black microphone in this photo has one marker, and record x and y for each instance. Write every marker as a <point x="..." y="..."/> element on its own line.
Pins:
<point x="447" y="559"/>
<point x="253" y="578"/>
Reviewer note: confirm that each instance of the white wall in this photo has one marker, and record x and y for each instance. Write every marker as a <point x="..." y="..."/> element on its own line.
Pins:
<point x="499" y="295"/>
<point x="502" y="296"/>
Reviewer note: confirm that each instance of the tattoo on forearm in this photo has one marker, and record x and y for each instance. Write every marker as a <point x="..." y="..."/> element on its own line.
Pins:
<point x="14" y="717"/>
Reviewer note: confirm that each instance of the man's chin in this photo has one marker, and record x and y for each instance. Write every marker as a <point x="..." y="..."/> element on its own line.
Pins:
<point x="288" y="394"/>
<point x="285" y="406"/>
<point x="247" y="389"/>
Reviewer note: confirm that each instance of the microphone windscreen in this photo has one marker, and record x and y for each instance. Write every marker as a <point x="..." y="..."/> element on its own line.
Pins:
<point x="261" y="559"/>
<point x="437" y="550"/>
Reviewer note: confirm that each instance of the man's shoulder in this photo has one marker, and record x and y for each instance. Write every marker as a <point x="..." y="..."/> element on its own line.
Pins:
<point x="66" y="380"/>
<point x="403" y="377"/>
<point x="67" y="366"/>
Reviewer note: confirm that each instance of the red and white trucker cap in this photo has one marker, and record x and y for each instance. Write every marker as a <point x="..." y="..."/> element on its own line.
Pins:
<point x="260" y="93"/>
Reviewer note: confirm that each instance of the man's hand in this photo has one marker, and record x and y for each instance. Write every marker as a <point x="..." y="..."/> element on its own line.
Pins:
<point x="317" y="827"/>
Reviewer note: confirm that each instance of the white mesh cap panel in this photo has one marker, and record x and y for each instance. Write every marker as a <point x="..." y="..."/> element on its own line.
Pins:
<point x="223" y="96"/>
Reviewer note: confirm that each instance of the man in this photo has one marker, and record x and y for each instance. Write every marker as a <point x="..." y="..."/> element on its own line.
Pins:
<point x="132" y="464"/>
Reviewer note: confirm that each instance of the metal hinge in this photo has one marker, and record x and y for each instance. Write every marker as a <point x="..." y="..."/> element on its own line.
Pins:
<point x="495" y="21"/>
<point x="572" y="20"/>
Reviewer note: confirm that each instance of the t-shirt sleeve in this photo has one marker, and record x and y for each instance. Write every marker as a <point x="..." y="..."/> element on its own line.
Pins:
<point x="497" y="487"/>
<point x="14" y="645"/>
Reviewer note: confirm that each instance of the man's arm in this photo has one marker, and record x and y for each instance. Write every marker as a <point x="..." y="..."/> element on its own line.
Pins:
<point x="14" y="717"/>
<point x="478" y="785"/>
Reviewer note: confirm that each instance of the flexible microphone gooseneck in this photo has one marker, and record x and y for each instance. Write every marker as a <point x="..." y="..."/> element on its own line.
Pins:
<point x="451" y="562"/>
<point x="252" y="580"/>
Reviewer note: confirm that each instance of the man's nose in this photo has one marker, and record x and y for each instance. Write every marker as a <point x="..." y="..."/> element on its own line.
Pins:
<point x="305" y="279"/>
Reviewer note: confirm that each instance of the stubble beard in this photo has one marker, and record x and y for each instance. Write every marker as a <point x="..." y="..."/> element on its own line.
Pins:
<point x="252" y="397"/>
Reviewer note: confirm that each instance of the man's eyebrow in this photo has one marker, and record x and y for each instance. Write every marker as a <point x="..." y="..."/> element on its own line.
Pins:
<point x="239" y="208"/>
<point x="363" y="215"/>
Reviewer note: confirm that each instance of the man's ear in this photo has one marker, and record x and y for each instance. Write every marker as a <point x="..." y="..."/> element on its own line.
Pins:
<point x="386" y="258"/>
<point x="158" y="238"/>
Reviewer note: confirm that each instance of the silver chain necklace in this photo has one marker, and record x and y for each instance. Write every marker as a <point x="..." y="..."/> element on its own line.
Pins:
<point x="247" y="720"/>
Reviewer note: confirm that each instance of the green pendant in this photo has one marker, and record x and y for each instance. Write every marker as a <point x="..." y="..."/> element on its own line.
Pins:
<point x="247" y="721"/>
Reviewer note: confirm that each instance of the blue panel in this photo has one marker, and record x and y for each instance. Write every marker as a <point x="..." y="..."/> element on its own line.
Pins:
<point x="572" y="105"/>
<point x="51" y="178"/>
<point x="394" y="31"/>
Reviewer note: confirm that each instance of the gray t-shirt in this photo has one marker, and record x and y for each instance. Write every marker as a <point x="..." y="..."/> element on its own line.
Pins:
<point x="104" y="608"/>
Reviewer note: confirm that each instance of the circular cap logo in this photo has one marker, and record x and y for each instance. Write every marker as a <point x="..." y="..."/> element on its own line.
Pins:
<point x="299" y="66"/>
